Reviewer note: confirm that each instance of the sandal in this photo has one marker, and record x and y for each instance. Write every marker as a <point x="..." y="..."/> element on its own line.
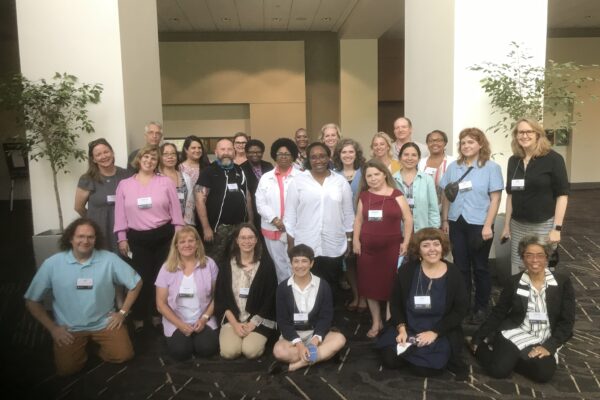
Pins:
<point x="373" y="333"/>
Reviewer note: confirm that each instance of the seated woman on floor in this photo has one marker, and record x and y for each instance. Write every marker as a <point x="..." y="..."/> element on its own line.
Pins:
<point x="184" y="296"/>
<point x="531" y="321"/>
<point x="427" y="305"/>
<point x="245" y="296"/>
<point x="304" y="315"/>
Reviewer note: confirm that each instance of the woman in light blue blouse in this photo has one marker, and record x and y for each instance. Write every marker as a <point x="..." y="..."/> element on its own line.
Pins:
<point x="418" y="188"/>
<point x="470" y="218"/>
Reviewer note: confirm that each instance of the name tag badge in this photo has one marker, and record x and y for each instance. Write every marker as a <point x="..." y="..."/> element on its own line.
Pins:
<point x="375" y="215"/>
<point x="523" y="292"/>
<point x="244" y="292"/>
<point x="465" y="186"/>
<point x="517" y="184"/>
<point x="232" y="187"/>
<point x="110" y="199"/>
<point x="186" y="292"/>
<point x="430" y="171"/>
<point x="422" y="302"/>
<point x="301" y="317"/>
<point x="410" y="201"/>
<point x="180" y="195"/>
<point x="535" y="316"/>
<point x="144" y="202"/>
<point x="85" y="283"/>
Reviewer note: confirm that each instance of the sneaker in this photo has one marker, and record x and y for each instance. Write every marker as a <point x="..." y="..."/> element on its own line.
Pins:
<point x="478" y="318"/>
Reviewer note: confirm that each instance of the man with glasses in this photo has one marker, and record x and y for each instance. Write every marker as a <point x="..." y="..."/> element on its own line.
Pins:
<point x="153" y="135"/>
<point x="222" y="200"/>
<point x="82" y="280"/>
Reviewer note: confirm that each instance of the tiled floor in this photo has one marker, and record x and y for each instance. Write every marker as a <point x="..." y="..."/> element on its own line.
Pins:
<point x="27" y="368"/>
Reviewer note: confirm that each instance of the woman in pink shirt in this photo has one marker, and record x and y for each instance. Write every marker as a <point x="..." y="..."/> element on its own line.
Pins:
<point x="184" y="296"/>
<point x="147" y="212"/>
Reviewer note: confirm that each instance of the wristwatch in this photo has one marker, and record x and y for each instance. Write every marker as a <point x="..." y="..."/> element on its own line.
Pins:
<point x="558" y="228"/>
<point x="123" y="313"/>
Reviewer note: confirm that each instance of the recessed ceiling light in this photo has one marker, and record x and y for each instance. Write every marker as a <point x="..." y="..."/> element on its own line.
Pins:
<point x="226" y="19"/>
<point x="588" y="16"/>
<point x="326" y="19"/>
<point x="276" y="19"/>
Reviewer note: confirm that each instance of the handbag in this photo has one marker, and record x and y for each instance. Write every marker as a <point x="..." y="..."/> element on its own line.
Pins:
<point x="451" y="189"/>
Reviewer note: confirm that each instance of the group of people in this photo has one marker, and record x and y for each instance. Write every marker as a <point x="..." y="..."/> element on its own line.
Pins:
<point x="240" y="249"/>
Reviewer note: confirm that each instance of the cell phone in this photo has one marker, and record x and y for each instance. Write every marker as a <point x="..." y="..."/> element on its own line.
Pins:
<point x="504" y="239"/>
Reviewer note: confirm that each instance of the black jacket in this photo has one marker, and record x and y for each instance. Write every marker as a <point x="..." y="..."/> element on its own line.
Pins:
<point x="319" y="317"/>
<point x="457" y="304"/>
<point x="261" y="298"/>
<point x="510" y="310"/>
<point x="253" y="185"/>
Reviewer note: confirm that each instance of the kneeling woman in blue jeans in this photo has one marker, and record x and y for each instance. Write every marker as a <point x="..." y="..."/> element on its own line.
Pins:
<point x="184" y="296"/>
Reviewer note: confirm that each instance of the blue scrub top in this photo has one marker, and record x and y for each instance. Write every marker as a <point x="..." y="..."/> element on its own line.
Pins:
<point x="473" y="204"/>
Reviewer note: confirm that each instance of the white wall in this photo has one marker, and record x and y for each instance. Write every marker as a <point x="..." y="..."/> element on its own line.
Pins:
<point x="83" y="38"/>
<point x="585" y="141"/>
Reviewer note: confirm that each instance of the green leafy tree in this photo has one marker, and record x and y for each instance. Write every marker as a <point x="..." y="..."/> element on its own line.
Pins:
<point x="54" y="114"/>
<point x="518" y="89"/>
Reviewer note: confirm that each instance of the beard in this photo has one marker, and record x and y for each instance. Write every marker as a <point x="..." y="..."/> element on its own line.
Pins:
<point x="226" y="161"/>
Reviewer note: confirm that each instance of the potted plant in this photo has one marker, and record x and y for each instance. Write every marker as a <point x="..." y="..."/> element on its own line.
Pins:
<point x="54" y="113"/>
<point x="518" y="89"/>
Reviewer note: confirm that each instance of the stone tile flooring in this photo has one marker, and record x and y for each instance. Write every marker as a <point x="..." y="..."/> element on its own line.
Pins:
<point x="27" y="368"/>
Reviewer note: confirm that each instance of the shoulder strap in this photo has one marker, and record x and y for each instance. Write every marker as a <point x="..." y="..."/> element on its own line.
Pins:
<point x="465" y="174"/>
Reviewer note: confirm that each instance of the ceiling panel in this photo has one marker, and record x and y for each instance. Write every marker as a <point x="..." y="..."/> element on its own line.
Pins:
<point x="277" y="14"/>
<point x="224" y="14"/>
<point x="329" y="13"/>
<point x="302" y="14"/>
<point x="173" y="18"/>
<point x="251" y="15"/>
<point x="198" y="14"/>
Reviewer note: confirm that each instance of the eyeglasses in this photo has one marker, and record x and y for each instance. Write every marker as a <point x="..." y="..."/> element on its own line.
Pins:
<point x="438" y="140"/>
<point x="283" y="155"/>
<point x="534" y="256"/>
<point x="523" y="133"/>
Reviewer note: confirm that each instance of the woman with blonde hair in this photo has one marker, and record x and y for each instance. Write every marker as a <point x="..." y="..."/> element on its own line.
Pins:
<point x="185" y="288"/>
<point x="330" y="135"/>
<point x="381" y="147"/>
<point x="469" y="219"/>
<point x="537" y="186"/>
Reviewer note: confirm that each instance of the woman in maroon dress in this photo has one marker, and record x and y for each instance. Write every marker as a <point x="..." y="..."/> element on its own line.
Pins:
<point x="378" y="239"/>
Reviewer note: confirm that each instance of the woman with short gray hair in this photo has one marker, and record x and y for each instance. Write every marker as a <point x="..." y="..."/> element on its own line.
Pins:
<point x="531" y="321"/>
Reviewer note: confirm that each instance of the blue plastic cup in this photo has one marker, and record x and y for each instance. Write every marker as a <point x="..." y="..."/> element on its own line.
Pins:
<point x="312" y="353"/>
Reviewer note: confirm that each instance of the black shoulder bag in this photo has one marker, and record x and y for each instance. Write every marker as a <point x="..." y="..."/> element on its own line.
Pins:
<point x="451" y="189"/>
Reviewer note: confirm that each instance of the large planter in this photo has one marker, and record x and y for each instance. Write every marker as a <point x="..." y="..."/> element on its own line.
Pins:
<point x="45" y="244"/>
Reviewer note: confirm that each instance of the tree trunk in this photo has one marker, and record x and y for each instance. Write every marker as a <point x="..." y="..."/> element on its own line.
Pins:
<point x="57" y="195"/>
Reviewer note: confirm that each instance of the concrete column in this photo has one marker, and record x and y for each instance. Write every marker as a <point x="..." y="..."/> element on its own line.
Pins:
<point x="442" y="39"/>
<point x="111" y="42"/>
<point x="358" y="90"/>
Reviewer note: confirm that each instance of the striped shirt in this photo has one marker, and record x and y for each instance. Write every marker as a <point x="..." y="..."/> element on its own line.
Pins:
<point x="531" y="331"/>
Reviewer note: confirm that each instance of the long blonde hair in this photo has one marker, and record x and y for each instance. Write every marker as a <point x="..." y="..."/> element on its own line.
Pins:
<point x="174" y="258"/>
<point x="387" y="139"/>
<point x="542" y="145"/>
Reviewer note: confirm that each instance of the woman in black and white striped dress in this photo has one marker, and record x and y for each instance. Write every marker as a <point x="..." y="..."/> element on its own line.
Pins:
<point x="537" y="186"/>
<point x="532" y="320"/>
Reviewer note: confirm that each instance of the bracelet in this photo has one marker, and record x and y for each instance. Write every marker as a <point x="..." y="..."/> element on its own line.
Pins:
<point x="206" y="317"/>
<point x="123" y="313"/>
<point x="348" y="239"/>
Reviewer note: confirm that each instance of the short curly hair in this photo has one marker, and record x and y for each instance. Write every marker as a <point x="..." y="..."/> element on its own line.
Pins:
<point x="288" y="144"/>
<point x="64" y="243"/>
<point x="414" y="248"/>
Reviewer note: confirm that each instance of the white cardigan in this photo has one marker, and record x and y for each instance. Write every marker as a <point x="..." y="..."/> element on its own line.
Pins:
<point x="267" y="197"/>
